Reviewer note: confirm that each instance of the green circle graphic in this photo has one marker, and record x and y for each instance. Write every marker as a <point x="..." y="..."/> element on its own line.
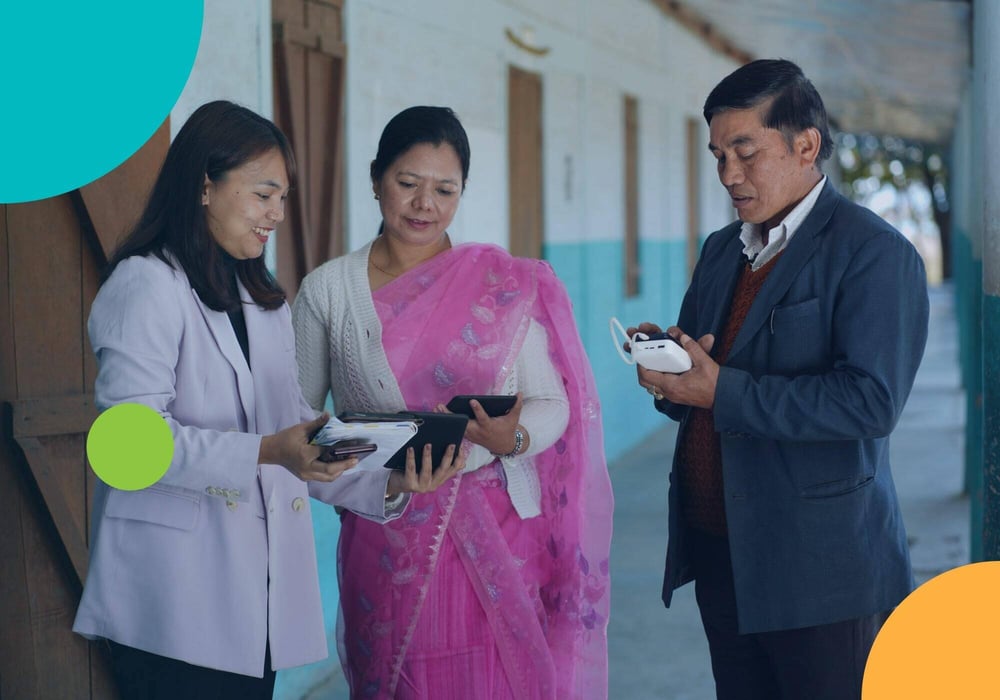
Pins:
<point x="130" y="446"/>
<point x="87" y="84"/>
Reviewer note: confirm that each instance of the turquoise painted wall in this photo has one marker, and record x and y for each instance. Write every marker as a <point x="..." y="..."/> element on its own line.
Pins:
<point x="594" y="277"/>
<point x="968" y="274"/>
<point x="991" y="426"/>
<point x="296" y="683"/>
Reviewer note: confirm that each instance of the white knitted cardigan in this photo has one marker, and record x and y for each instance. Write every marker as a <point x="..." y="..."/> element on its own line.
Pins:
<point x="338" y="345"/>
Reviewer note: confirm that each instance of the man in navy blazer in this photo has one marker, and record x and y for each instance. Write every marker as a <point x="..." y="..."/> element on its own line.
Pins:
<point x="810" y="318"/>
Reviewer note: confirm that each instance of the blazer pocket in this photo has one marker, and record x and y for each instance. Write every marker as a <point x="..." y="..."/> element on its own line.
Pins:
<point x="832" y="489"/>
<point x="155" y="504"/>
<point x="799" y="340"/>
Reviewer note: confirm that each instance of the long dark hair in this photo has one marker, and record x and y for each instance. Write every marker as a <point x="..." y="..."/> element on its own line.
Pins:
<point x="795" y="104"/>
<point x="433" y="125"/>
<point x="217" y="138"/>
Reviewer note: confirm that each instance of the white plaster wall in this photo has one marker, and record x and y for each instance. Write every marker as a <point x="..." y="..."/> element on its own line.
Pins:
<point x="396" y="59"/>
<point x="233" y="61"/>
<point x="661" y="185"/>
<point x="605" y="193"/>
<point x="565" y="178"/>
<point x="454" y="52"/>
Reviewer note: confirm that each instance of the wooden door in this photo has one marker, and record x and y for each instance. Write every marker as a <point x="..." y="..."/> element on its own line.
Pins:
<point x="51" y="254"/>
<point x="524" y="159"/>
<point x="693" y="147"/>
<point x="632" y="268"/>
<point x="309" y="56"/>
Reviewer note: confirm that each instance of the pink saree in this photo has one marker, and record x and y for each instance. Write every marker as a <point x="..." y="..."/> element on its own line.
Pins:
<point x="460" y="598"/>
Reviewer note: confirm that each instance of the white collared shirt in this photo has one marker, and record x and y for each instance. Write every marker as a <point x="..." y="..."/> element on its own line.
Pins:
<point x="779" y="236"/>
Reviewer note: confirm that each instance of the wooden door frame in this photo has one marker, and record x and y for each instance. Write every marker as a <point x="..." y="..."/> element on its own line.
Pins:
<point x="307" y="48"/>
<point x="51" y="255"/>
<point x="525" y="163"/>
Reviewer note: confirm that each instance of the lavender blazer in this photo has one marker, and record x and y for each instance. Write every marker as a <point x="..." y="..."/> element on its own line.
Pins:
<point x="217" y="556"/>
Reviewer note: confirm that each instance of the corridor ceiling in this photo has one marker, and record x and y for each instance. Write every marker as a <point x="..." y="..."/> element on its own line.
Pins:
<point x="893" y="67"/>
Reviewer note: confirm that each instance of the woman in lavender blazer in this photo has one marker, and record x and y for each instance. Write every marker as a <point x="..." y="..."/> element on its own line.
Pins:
<point x="205" y="583"/>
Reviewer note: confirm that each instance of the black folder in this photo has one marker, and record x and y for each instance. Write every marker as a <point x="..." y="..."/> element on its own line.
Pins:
<point x="438" y="429"/>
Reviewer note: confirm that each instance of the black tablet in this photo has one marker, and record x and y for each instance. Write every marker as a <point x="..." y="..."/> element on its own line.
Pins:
<point x="438" y="429"/>
<point x="493" y="404"/>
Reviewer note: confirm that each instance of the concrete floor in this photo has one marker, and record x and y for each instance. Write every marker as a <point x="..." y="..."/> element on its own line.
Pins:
<point x="661" y="654"/>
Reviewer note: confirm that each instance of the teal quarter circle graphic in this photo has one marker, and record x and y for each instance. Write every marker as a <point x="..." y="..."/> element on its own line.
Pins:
<point x="130" y="446"/>
<point x="86" y="84"/>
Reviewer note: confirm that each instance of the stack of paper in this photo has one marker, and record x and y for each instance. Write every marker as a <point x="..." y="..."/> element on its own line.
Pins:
<point x="387" y="436"/>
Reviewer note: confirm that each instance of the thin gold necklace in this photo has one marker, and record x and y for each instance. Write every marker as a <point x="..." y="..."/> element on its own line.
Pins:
<point x="397" y="274"/>
<point x="384" y="272"/>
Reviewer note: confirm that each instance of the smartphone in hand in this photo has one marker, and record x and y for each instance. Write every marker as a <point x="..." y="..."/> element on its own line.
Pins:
<point x="345" y="449"/>
<point x="494" y="404"/>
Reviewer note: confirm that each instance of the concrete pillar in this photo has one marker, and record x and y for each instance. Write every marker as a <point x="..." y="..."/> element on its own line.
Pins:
<point x="967" y="171"/>
<point x="986" y="74"/>
<point x="967" y="277"/>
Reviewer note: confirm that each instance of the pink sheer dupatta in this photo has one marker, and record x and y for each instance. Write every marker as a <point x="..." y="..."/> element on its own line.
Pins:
<point x="455" y="325"/>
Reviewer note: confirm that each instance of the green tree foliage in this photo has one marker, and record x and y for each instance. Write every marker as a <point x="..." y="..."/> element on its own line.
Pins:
<point x="868" y="163"/>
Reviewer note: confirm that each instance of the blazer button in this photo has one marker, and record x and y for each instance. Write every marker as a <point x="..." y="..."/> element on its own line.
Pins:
<point x="231" y="505"/>
<point x="298" y="504"/>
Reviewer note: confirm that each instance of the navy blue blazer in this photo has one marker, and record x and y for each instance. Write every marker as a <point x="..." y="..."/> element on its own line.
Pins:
<point x="812" y="388"/>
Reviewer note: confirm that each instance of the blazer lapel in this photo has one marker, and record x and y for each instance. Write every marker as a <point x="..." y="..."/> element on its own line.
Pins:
<point x="787" y="269"/>
<point x="225" y="337"/>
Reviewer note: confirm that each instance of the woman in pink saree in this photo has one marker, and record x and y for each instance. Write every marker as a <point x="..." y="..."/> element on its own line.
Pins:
<point x="496" y="585"/>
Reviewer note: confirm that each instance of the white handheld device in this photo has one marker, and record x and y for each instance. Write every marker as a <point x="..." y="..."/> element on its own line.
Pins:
<point x="658" y="351"/>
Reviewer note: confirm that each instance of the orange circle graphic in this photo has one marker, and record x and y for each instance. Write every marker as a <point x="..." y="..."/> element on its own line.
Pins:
<point x="942" y="641"/>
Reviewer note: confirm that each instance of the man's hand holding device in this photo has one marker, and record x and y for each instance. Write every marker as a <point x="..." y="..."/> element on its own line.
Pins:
<point x="694" y="386"/>
<point x="649" y="347"/>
